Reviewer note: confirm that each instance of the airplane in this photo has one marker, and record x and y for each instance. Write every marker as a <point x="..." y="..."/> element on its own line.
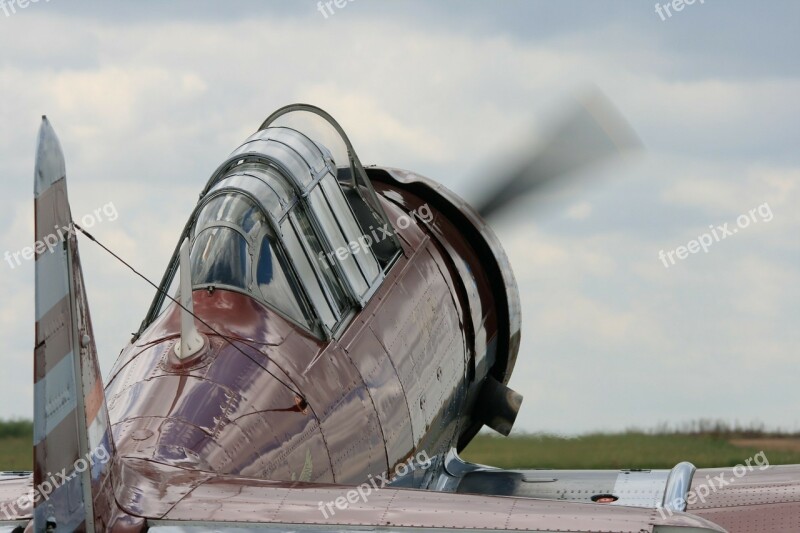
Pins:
<point x="326" y="339"/>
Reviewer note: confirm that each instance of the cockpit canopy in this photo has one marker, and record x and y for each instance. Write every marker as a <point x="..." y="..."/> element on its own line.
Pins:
<point x="289" y="219"/>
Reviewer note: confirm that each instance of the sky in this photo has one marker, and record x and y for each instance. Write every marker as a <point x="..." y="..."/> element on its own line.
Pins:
<point x="149" y="97"/>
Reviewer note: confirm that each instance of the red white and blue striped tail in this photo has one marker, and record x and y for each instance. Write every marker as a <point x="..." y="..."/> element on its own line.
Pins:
<point x="73" y="447"/>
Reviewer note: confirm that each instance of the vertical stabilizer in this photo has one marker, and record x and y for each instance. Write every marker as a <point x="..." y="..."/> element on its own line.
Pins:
<point x="73" y="448"/>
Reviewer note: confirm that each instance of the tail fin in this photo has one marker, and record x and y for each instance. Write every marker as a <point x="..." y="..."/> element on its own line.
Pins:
<point x="73" y="447"/>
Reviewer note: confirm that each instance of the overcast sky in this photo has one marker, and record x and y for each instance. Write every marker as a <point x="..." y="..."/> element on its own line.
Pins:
<point x="149" y="98"/>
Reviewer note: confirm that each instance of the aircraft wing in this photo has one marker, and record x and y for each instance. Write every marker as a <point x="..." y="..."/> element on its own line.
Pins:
<point x="169" y="499"/>
<point x="225" y="503"/>
<point x="13" y="486"/>
<point x="759" y="500"/>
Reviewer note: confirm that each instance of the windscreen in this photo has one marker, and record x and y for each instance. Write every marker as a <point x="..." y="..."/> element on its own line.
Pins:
<point x="235" y="247"/>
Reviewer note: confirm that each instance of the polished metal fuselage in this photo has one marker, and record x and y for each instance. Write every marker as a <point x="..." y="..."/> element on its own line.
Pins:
<point x="402" y="377"/>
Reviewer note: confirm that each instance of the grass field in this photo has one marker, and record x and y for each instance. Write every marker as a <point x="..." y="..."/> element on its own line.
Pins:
<point x="628" y="450"/>
<point x="16" y="450"/>
<point x="705" y="447"/>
